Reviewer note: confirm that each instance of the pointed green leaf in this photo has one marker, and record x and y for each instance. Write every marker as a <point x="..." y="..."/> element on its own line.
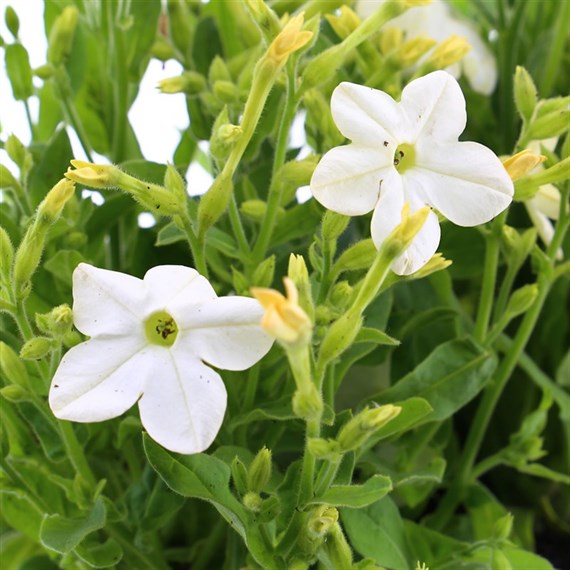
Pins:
<point x="19" y="71"/>
<point x="367" y="334"/>
<point x="356" y="496"/>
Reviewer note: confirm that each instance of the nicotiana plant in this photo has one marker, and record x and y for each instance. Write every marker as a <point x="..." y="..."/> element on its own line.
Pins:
<point x="403" y="404"/>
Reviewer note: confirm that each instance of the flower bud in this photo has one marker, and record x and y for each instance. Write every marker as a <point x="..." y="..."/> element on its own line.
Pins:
<point x="12" y="367"/>
<point x="174" y="183"/>
<point x="254" y="209"/>
<point x="15" y="394"/>
<point x="521" y="300"/>
<point x="307" y="403"/>
<point x="333" y="225"/>
<point x="503" y="527"/>
<point x="264" y="17"/>
<point x="264" y="272"/>
<point x="18" y="153"/>
<point x="259" y="471"/>
<point x="299" y="274"/>
<point x="549" y="125"/>
<point x="448" y="52"/>
<point x="403" y="234"/>
<point x="94" y="175"/>
<point x="12" y="21"/>
<point x="521" y="163"/>
<point x="499" y="561"/>
<point x="6" y="255"/>
<point x="321" y="520"/>
<point x="324" y="449"/>
<point x="340" y="336"/>
<point x="189" y="82"/>
<point x="525" y="93"/>
<point x="36" y="348"/>
<point x="218" y="71"/>
<point x="57" y="322"/>
<point x="436" y="263"/>
<point x="162" y="49"/>
<point x="61" y="35"/>
<point x="44" y="72"/>
<point x="359" y="256"/>
<point x="345" y="23"/>
<point x="240" y="282"/>
<point x="52" y="205"/>
<point x="284" y="318"/>
<point x="408" y="54"/>
<point x="226" y="91"/>
<point x="357" y="430"/>
<point x="323" y="66"/>
<point x="335" y="551"/>
<point x="290" y="39"/>
<point x="239" y="475"/>
<point x="391" y="39"/>
<point x="214" y="203"/>
<point x="252" y="502"/>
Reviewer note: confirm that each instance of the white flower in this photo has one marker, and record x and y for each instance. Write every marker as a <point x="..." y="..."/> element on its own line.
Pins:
<point x="150" y="340"/>
<point x="409" y="152"/>
<point x="436" y="20"/>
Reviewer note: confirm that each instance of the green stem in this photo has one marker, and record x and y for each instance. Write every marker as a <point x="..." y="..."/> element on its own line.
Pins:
<point x="306" y="491"/>
<point x="29" y="118"/>
<point x="489" y="278"/>
<point x="196" y="247"/>
<point x="486" y="465"/>
<point x="237" y="228"/>
<point x="326" y="476"/>
<point x="75" y="453"/>
<point x="275" y="188"/>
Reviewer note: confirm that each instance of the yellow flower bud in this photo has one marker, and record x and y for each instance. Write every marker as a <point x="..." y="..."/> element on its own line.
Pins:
<point x="94" y="175"/>
<point x="404" y="233"/>
<point x="391" y="39"/>
<point x="62" y="34"/>
<point x="522" y="163"/>
<point x="321" y="521"/>
<point x="190" y="82"/>
<point x="284" y="318"/>
<point x="51" y="207"/>
<point x="289" y="40"/>
<point x="436" y="263"/>
<point x="345" y="23"/>
<point x="448" y="52"/>
<point x="413" y="50"/>
<point x="57" y="322"/>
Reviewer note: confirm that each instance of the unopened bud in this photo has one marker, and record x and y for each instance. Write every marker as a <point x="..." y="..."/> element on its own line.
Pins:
<point x="12" y="21"/>
<point x="357" y="430"/>
<point x="341" y="294"/>
<point x="62" y="34"/>
<point x="239" y="475"/>
<point x="254" y="209"/>
<point x="174" y="183"/>
<point x="15" y="394"/>
<point x="226" y="91"/>
<point x="522" y="163"/>
<point x="299" y="274"/>
<point x="333" y="225"/>
<point x="448" y="52"/>
<point x="324" y="449"/>
<point x="36" y="348"/>
<point x="218" y="71"/>
<point x="240" y="282"/>
<point x="413" y="50"/>
<point x="223" y="140"/>
<point x="290" y="39"/>
<point x="12" y="366"/>
<point x="6" y="255"/>
<point x="252" y="502"/>
<point x="51" y="207"/>
<point x="521" y="300"/>
<point x="189" y="82"/>
<point x="549" y="125"/>
<point x="321" y="520"/>
<point x="391" y="39"/>
<point x="259" y="471"/>
<point x="162" y="49"/>
<point x="44" y="72"/>
<point x="264" y="272"/>
<point x="57" y="322"/>
<point x="403" y="234"/>
<point x="307" y="403"/>
<point x="503" y="527"/>
<point x="214" y="203"/>
<point x="335" y="551"/>
<point x="525" y="93"/>
<point x="340" y="336"/>
<point x="345" y="23"/>
<point x="436" y="263"/>
<point x="18" y="152"/>
<point x="264" y="17"/>
<point x="94" y="175"/>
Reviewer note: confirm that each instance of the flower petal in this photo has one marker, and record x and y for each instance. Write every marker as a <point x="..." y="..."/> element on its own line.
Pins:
<point x="106" y="302"/>
<point x="388" y="214"/>
<point x="368" y="116"/>
<point x="434" y="106"/>
<point x="465" y="181"/>
<point x="174" y="287"/>
<point x="347" y="179"/>
<point x="225" y="332"/>
<point x="99" y="379"/>
<point x="183" y="406"/>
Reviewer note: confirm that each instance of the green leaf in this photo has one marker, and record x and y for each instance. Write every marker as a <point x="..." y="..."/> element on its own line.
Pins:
<point x="367" y="334"/>
<point x="16" y="548"/>
<point x="429" y="545"/>
<point x="140" y="36"/>
<point x="63" y="263"/>
<point x="356" y="496"/>
<point x="450" y="377"/>
<point x="21" y="513"/>
<point x="377" y="532"/>
<point x="19" y="71"/>
<point x="48" y="436"/>
<point x="36" y="563"/>
<point x="484" y="511"/>
<point x="64" y="534"/>
<point x="414" y="411"/>
<point x="199" y="476"/>
<point x="279" y="410"/>
<point x="522" y="559"/>
<point x="98" y="555"/>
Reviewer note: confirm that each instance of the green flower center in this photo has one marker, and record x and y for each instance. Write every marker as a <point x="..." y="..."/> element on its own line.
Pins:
<point x="160" y="328"/>
<point x="404" y="157"/>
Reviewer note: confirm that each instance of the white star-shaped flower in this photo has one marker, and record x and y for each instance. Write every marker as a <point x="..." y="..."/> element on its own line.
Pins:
<point x="150" y="342"/>
<point x="409" y="152"/>
<point x="437" y="21"/>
